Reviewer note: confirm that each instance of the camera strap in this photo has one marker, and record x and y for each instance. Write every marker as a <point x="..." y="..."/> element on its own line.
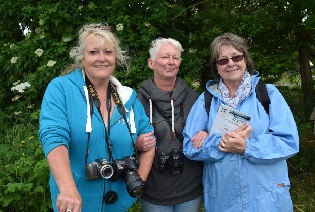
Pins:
<point x="122" y="111"/>
<point x="94" y="97"/>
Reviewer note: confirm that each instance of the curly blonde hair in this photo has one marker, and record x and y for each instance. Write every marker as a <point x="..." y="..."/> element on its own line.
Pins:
<point x="105" y="36"/>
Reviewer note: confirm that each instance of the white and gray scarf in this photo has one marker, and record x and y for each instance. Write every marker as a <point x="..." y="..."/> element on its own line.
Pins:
<point x="241" y="93"/>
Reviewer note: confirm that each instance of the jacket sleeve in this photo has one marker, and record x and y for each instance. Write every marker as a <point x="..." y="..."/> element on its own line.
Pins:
<point x="198" y="120"/>
<point x="54" y="128"/>
<point x="277" y="141"/>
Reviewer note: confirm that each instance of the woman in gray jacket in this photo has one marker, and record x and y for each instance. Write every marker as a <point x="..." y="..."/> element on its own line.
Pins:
<point x="174" y="182"/>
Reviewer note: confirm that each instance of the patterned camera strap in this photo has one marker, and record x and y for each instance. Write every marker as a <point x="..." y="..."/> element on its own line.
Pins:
<point x="94" y="98"/>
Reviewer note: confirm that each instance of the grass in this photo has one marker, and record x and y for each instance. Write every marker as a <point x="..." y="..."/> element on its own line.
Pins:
<point x="303" y="178"/>
<point x="303" y="191"/>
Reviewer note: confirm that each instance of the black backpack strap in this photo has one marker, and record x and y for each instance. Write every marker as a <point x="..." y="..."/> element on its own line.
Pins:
<point x="262" y="95"/>
<point x="208" y="99"/>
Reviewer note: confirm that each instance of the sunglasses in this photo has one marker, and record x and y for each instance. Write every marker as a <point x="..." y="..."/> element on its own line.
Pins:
<point x="235" y="59"/>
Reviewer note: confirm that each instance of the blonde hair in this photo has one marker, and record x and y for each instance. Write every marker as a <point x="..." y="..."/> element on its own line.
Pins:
<point x="105" y="36"/>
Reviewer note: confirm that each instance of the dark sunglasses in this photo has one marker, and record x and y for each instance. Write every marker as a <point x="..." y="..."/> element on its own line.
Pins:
<point x="235" y="59"/>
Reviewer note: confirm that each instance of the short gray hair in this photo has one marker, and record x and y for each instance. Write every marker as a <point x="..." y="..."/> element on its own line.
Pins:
<point x="157" y="43"/>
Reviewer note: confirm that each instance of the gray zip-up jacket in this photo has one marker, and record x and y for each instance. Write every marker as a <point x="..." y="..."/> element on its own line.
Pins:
<point x="168" y="112"/>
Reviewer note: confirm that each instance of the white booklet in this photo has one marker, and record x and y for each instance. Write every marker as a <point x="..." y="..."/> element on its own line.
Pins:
<point x="228" y="119"/>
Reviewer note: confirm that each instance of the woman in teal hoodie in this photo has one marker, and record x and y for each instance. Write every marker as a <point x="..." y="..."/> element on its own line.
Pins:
<point x="88" y="125"/>
<point x="244" y="169"/>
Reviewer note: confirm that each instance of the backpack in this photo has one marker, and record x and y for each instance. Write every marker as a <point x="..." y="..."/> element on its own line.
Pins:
<point x="261" y="94"/>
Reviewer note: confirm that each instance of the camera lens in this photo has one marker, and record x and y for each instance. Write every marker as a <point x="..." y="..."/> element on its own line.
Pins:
<point x="106" y="171"/>
<point x="176" y="162"/>
<point x="134" y="184"/>
<point x="138" y="191"/>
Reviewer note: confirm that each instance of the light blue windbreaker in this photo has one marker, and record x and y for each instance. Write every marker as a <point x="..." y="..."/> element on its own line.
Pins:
<point x="64" y="120"/>
<point x="258" y="180"/>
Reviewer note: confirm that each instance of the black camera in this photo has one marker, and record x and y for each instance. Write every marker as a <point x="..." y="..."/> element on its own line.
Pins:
<point x="99" y="168"/>
<point x="127" y="169"/>
<point x="174" y="162"/>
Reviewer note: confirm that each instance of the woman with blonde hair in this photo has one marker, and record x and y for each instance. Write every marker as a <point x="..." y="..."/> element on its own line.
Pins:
<point x="89" y="123"/>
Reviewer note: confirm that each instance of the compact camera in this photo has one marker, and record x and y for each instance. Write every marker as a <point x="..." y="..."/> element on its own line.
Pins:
<point x="99" y="168"/>
<point x="126" y="168"/>
<point x="174" y="162"/>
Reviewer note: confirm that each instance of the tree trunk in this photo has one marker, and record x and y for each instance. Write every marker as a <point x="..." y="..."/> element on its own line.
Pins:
<point x="229" y="8"/>
<point x="306" y="74"/>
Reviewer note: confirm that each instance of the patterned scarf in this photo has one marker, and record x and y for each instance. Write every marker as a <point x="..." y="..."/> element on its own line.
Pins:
<point x="241" y="93"/>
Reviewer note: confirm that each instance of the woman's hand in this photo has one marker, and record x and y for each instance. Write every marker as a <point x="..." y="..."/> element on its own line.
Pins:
<point x="244" y="130"/>
<point x="235" y="141"/>
<point x="69" y="200"/>
<point x="199" y="138"/>
<point x="145" y="142"/>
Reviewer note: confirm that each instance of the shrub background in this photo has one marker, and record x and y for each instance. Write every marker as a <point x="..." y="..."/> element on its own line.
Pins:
<point x="36" y="38"/>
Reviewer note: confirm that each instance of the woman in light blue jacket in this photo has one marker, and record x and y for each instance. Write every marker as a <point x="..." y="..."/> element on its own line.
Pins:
<point x="244" y="169"/>
<point x="89" y="122"/>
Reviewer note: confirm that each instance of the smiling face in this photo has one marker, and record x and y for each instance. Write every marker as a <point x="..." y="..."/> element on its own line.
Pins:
<point x="167" y="62"/>
<point x="98" y="60"/>
<point x="232" y="72"/>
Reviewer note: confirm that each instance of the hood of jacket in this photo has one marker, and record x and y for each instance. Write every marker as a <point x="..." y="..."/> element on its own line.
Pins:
<point x="127" y="95"/>
<point x="162" y="99"/>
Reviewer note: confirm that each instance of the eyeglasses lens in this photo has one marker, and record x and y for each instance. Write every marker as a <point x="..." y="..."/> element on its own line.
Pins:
<point x="226" y="60"/>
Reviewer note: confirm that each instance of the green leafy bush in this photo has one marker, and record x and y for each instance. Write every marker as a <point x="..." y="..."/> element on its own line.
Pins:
<point x="24" y="171"/>
<point x="37" y="37"/>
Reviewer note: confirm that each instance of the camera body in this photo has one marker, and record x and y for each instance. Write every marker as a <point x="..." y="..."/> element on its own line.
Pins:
<point x="173" y="161"/>
<point x="121" y="166"/>
<point x="100" y="168"/>
<point x="126" y="168"/>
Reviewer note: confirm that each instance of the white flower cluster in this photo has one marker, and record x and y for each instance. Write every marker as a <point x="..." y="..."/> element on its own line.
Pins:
<point x="17" y="113"/>
<point x="147" y="24"/>
<point x="15" y="98"/>
<point x="41" y="22"/>
<point x="192" y="50"/>
<point x="39" y="52"/>
<point x="14" y="59"/>
<point x="29" y="106"/>
<point x="119" y="27"/>
<point x="196" y="84"/>
<point x="16" y="83"/>
<point x="21" y="87"/>
<point x="66" y="39"/>
<point x="51" y="63"/>
<point x="73" y="52"/>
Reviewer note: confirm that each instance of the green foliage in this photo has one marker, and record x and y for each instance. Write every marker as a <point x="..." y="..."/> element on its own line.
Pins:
<point x="302" y="191"/>
<point x="37" y="36"/>
<point x="305" y="159"/>
<point x="24" y="171"/>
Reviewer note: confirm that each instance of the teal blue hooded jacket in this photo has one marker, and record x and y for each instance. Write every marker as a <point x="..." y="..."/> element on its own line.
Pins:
<point x="256" y="181"/>
<point x="65" y="119"/>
